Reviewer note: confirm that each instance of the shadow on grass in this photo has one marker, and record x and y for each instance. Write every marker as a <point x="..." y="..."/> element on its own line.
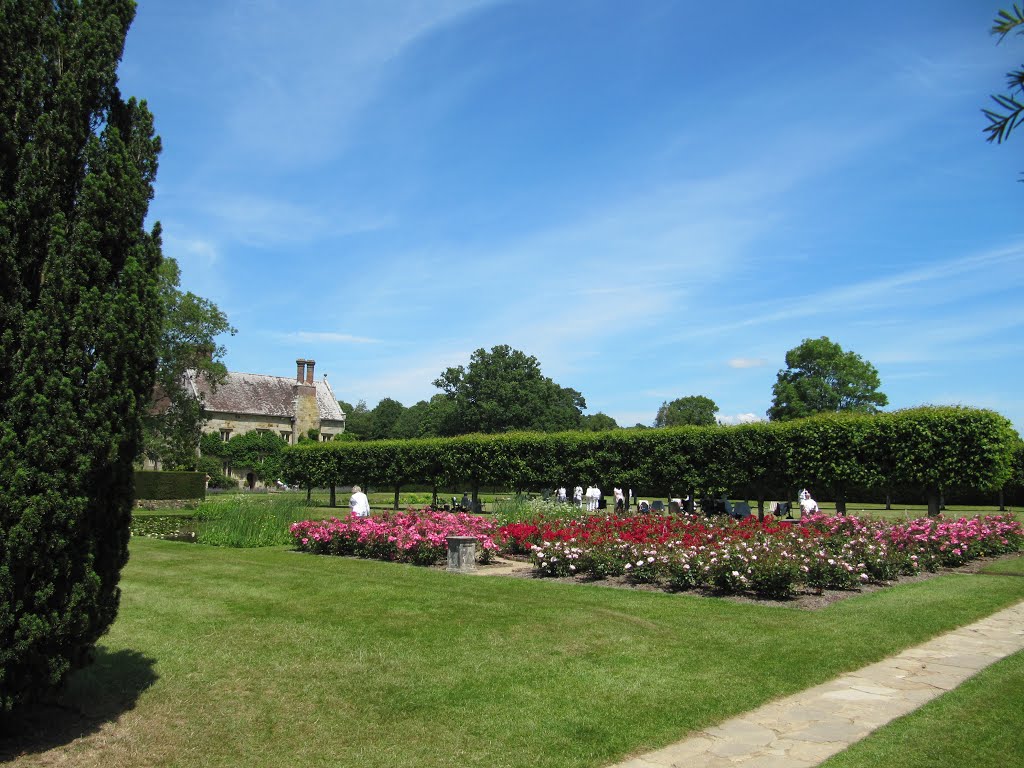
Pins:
<point x="92" y="697"/>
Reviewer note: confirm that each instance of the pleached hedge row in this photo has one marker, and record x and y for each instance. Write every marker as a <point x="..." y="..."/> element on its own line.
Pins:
<point x="923" y="451"/>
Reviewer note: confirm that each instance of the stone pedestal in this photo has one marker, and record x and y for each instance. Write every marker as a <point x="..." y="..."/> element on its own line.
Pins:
<point x="461" y="554"/>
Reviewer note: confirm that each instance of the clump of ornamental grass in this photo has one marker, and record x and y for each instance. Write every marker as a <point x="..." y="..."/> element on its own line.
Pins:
<point x="249" y="520"/>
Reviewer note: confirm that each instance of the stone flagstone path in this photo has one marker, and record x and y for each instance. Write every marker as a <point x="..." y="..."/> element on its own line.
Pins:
<point x="804" y="729"/>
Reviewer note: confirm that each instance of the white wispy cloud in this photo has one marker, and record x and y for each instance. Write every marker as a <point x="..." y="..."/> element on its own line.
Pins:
<point x="954" y="280"/>
<point x="265" y="221"/>
<point x="194" y="249"/>
<point x="325" y="337"/>
<point x="304" y="75"/>
<point x="739" y="418"/>
<point x="747" y="362"/>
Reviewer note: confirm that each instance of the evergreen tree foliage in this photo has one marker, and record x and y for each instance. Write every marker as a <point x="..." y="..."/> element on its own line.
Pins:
<point x="79" y="323"/>
<point x="1009" y="111"/>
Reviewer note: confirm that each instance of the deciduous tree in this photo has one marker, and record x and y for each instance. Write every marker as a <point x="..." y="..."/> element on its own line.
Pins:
<point x="598" y="422"/>
<point x="358" y="420"/>
<point x="695" y="410"/>
<point x="191" y="325"/>
<point x="504" y="390"/>
<point x="821" y="378"/>
<point x="384" y="417"/>
<point x="79" y="328"/>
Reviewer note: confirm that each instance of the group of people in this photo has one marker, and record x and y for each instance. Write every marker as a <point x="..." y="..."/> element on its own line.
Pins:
<point x="592" y="497"/>
<point x="359" y="504"/>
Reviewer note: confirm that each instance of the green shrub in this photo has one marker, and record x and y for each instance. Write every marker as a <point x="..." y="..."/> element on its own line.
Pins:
<point x="924" y="450"/>
<point x="170" y="485"/>
<point x="214" y="468"/>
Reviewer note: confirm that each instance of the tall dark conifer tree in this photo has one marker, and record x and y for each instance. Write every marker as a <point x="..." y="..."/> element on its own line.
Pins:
<point x="79" y="323"/>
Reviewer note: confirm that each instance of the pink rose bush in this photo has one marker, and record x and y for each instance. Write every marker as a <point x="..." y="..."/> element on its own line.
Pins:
<point x="769" y="559"/>
<point x="418" y="537"/>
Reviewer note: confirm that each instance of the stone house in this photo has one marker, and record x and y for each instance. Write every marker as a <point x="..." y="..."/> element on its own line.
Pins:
<point x="253" y="402"/>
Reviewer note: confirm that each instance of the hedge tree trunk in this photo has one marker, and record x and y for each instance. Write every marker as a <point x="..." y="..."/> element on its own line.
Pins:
<point x="841" y="501"/>
<point x="80" y="318"/>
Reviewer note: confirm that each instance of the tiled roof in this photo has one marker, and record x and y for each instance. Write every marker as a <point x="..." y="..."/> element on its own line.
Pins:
<point x="257" y="394"/>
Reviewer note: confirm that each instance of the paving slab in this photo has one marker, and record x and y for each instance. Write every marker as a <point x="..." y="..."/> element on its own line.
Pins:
<point x="805" y="729"/>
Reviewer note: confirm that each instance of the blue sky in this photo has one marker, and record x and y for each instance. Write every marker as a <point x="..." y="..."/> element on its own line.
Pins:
<point x="656" y="199"/>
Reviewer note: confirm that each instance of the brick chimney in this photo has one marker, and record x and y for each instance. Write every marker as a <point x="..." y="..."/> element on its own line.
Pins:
<point x="300" y="370"/>
<point x="309" y="371"/>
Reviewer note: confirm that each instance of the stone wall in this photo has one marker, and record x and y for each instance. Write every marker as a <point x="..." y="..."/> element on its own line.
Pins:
<point x="243" y="423"/>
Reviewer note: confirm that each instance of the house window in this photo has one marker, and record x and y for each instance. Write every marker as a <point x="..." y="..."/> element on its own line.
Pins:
<point x="286" y="436"/>
<point x="225" y="435"/>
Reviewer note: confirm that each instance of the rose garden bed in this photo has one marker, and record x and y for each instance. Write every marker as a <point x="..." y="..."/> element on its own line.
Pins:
<point x="767" y="560"/>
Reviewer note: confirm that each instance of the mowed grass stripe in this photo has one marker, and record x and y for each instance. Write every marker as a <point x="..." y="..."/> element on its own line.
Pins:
<point x="268" y="657"/>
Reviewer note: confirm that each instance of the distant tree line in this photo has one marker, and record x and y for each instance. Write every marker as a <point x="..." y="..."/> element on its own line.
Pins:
<point x="501" y="390"/>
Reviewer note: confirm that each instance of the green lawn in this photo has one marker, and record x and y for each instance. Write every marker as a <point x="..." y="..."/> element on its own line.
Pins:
<point x="265" y="657"/>
<point x="975" y="725"/>
<point x="1010" y="566"/>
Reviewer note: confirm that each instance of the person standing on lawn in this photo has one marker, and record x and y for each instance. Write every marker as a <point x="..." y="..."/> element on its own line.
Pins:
<point x="808" y="506"/>
<point x="359" y="503"/>
<point x="620" y="501"/>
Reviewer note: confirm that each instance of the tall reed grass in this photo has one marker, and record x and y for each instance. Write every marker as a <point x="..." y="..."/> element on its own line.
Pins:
<point x="250" y="520"/>
<point x="520" y="509"/>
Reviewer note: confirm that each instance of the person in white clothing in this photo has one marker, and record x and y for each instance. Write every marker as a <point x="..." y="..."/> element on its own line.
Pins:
<point x="577" y="495"/>
<point x="359" y="503"/>
<point x="560" y="494"/>
<point x="620" y="501"/>
<point x="593" y="495"/>
<point x="808" y="506"/>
